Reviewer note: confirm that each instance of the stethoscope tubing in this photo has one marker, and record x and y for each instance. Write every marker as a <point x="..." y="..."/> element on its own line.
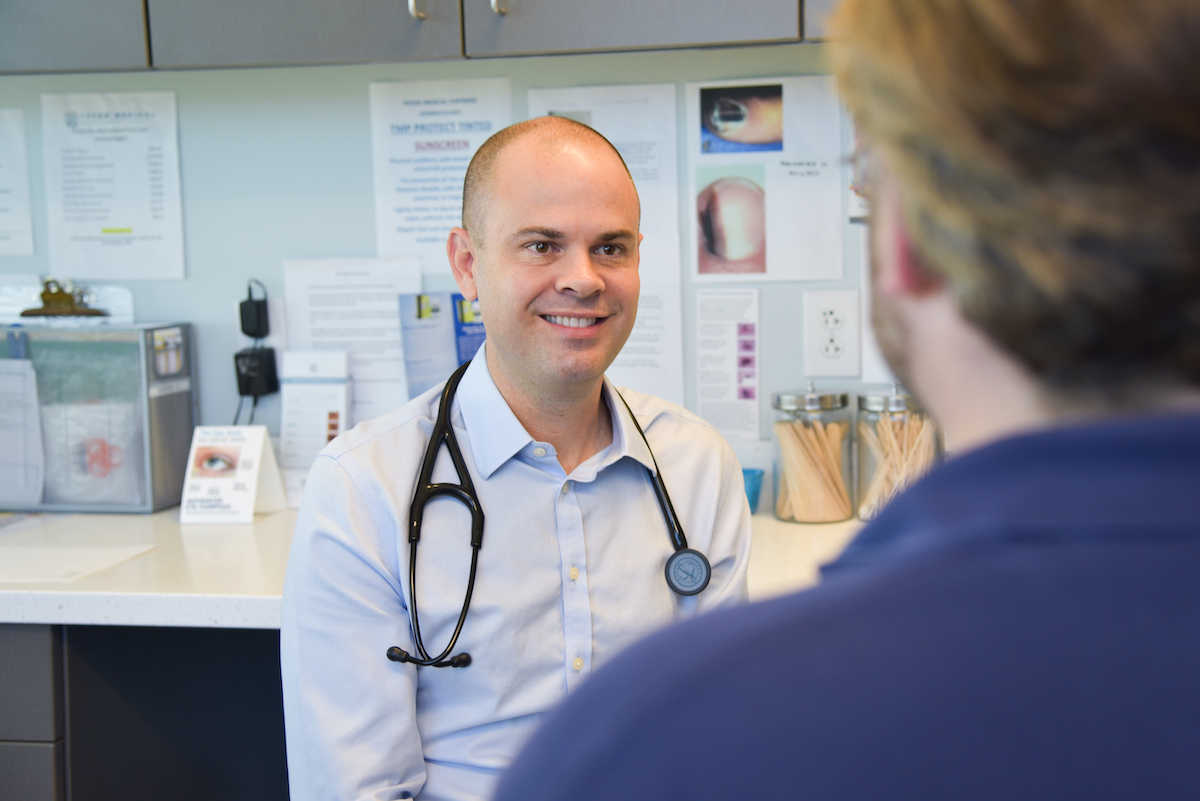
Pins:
<point x="464" y="492"/>
<point x="674" y="527"/>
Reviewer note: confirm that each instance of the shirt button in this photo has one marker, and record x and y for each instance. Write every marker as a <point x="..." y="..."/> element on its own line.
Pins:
<point x="539" y="451"/>
<point x="574" y="573"/>
<point x="566" y="487"/>
<point x="577" y="664"/>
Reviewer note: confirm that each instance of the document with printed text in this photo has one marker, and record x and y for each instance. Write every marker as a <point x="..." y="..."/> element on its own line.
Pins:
<point x="112" y="185"/>
<point x="640" y="122"/>
<point x="423" y="135"/>
<point x="353" y="305"/>
<point x="16" y="222"/>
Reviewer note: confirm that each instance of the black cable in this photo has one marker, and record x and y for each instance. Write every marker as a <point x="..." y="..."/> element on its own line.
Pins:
<point x="255" y="325"/>
<point x="249" y="292"/>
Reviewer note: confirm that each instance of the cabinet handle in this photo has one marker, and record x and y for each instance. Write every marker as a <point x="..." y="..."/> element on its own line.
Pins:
<point x="499" y="9"/>
<point x="412" y="10"/>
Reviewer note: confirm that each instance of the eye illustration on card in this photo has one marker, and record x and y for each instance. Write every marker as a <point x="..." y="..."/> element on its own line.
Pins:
<point x="215" y="462"/>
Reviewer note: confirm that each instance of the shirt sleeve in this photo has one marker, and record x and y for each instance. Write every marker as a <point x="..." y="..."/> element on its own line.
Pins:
<point x="350" y="713"/>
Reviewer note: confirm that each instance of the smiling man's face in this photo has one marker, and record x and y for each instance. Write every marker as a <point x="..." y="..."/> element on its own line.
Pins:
<point x="557" y="274"/>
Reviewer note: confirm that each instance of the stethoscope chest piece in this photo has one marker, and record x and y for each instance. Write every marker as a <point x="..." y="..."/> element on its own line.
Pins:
<point x="688" y="572"/>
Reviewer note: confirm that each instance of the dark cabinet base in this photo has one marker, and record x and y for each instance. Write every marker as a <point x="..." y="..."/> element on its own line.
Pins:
<point x="185" y="714"/>
<point x="31" y="771"/>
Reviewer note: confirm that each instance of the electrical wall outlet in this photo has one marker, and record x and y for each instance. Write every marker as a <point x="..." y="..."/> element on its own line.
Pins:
<point x="832" y="333"/>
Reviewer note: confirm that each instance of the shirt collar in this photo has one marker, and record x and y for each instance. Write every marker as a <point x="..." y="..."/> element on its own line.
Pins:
<point x="1062" y="482"/>
<point x="496" y="435"/>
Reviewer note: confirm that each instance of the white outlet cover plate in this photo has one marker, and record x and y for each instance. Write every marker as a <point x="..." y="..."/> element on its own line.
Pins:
<point x="832" y="334"/>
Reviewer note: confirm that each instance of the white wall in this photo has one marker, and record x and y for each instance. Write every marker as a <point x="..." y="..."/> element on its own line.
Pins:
<point x="276" y="165"/>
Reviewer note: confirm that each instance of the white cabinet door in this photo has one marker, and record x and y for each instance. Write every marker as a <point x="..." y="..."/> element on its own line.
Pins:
<point x="75" y="35"/>
<point x="561" y="26"/>
<point x="223" y="33"/>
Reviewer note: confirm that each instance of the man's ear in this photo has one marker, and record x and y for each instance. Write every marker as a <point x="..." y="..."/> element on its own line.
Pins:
<point x="462" y="253"/>
<point x="898" y="266"/>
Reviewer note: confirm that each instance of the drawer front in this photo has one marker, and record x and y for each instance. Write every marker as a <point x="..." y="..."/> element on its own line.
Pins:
<point x="31" y="771"/>
<point x="70" y="35"/>
<point x="30" y="683"/>
<point x="552" y="26"/>
<point x="226" y="33"/>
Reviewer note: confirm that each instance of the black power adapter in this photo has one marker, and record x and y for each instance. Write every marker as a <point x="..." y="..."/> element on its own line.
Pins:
<point x="256" y="374"/>
<point x="255" y="367"/>
<point x="255" y="323"/>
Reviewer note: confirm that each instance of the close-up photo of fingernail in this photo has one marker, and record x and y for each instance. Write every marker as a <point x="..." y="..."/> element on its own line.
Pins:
<point x="728" y="115"/>
<point x="741" y="118"/>
<point x="733" y="224"/>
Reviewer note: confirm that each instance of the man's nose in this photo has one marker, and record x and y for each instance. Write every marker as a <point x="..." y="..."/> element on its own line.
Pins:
<point x="579" y="275"/>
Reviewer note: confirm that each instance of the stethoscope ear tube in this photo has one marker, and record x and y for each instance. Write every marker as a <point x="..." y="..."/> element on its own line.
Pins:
<point x="397" y="654"/>
<point x="426" y="490"/>
<point x="687" y="570"/>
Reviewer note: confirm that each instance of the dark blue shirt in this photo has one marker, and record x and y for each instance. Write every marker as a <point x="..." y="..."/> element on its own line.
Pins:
<point x="1024" y="623"/>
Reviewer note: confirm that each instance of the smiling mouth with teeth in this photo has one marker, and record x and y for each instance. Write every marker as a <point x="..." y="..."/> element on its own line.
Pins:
<point x="571" y="322"/>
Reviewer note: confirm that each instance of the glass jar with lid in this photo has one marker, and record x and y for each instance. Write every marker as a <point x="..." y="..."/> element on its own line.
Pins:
<point x="812" y="456"/>
<point x="897" y="444"/>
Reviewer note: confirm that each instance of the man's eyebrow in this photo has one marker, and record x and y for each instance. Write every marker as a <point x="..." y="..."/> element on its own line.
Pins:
<point x="545" y="233"/>
<point x="613" y="236"/>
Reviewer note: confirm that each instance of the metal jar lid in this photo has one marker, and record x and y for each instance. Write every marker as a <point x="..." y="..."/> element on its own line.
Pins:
<point x="888" y="403"/>
<point x="810" y="401"/>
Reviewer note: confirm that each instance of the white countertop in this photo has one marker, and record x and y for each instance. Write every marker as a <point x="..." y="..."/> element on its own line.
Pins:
<point x="231" y="576"/>
<point x="785" y="557"/>
<point x="212" y="576"/>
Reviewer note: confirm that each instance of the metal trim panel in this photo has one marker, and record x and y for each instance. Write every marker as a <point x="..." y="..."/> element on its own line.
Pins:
<point x="31" y="707"/>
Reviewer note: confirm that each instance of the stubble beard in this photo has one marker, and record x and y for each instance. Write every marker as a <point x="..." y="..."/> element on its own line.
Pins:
<point x="891" y="330"/>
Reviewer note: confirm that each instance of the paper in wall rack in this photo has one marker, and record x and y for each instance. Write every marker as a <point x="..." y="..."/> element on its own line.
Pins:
<point x="112" y="408"/>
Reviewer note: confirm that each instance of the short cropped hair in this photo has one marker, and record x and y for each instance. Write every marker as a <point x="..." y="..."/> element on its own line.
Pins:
<point x="553" y="130"/>
<point x="1048" y="158"/>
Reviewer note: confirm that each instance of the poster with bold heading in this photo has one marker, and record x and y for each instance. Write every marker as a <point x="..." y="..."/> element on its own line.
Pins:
<point x="423" y="135"/>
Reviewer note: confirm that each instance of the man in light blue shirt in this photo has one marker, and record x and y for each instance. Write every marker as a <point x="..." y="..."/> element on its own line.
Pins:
<point x="572" y="564"/>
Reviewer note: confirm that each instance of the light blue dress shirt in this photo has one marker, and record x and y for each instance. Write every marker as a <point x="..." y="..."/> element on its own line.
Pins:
<point x="570" y="572"/>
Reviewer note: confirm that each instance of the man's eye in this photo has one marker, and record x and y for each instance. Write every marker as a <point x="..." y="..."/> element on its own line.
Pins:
<point x="610" y="250"/>
<point x="541" y="247"/>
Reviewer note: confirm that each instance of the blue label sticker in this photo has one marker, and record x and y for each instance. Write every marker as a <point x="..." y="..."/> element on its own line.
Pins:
<point x="18" y="344"/>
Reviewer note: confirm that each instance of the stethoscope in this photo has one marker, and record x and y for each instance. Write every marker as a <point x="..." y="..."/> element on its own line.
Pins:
<point x="687" y="570"/>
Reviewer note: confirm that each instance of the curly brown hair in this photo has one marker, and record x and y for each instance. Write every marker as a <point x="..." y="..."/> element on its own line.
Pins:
<point x="1048" y="154"/>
